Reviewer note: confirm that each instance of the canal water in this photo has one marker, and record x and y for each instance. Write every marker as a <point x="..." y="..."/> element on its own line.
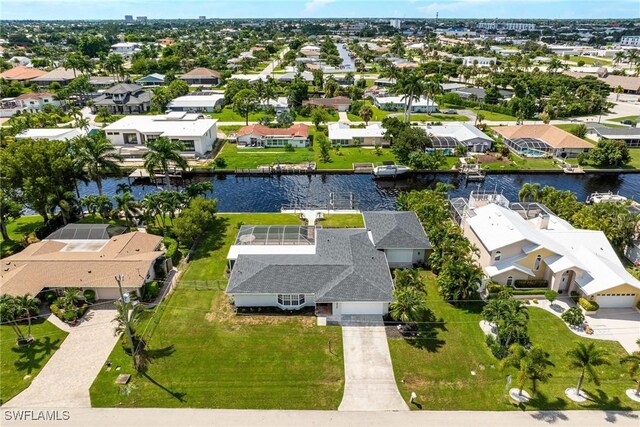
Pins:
<point x="270" y="194"/>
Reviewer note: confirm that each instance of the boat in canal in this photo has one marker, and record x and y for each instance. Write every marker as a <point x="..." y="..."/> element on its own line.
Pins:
<point x="608" y="197"/>
<point x="389" y="170"/>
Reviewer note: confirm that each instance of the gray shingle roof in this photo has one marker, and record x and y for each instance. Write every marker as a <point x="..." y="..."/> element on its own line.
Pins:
<point x="607" y="131"/>
<point x="346" y="267"/>
<point x="396" y="230"/>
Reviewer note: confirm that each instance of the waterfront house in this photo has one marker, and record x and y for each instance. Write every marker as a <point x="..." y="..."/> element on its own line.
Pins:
<point x="124" y="98"/>
<point x="519" y="242"/>
<point x="253" y="136"/>
<point x="369" y="136"/>
<point x="195" y="131"/>
<point x="85" y="256"/>
<point x="630" y="135"/>
<point x="542" y="140"/>
<point x="396" y="103"/>
<point x="449" y="135"/>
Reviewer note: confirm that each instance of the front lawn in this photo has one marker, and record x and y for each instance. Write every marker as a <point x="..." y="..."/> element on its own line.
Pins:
<point x="205" y="356"/>
<point x="438" y="118"/>
<point x="342" y="221"/>
<point x="20" y="365"/>
<point x="521" y="163"/>
<point x="495" y="117"/>
<point x="251" y="158"/>
<point x="17" y="230"/>
<point x="453" y="368"/>
<point x="228" y="115"/>
<point x="620" y="119"/>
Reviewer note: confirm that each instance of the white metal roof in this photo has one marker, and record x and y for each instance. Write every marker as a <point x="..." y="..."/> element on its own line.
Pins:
<point x="177" y="124"/>
<point x="57" y="134"/>
<point x="344" y="131"/>
<point x="459" y="130"/>
<point x="196" y="100"/>
<point x="422" y="102"/>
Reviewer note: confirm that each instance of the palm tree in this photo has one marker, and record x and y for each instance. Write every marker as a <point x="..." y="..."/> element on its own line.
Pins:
<point x="82" y="123"/>
<point x="410" y="85"/>
<point x="633" y="364"/>
<point x="127" y="206"/>
<point x="529" y="192"/>
<point x="198" y="189"/>
<point x="431" y="89"/>
<point x="27" y="306"/>
<point x="586" y="357"/>
<point x="123" y="187"/>
<point x="9" y="314"/>
<point x="366" y="113"/>
<point x="126" y="311"/>
<point x="407" y="306"/>
<point x="517" y="359"/>
<point x="97" y="156"/>
<point x="161" y="152"/>
<point x="63" y="199"/>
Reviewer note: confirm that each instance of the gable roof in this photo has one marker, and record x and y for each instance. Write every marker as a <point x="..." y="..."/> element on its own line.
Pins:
<point x="396" y="230"/>
<point x="60" y="74"/>
<point x="21" y="73"/>
<point x="122" y="88"/>
<point x="553" y="136"/>
<point x="329" y="102"/>
<point x="201" y="72"/>
<point x="299" y="131"/>
<point x="345" y="267"/>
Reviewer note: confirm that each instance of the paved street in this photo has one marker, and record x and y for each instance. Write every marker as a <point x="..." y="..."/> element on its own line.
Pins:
<point x="246" y="418"/>
<point x="369" y="381"/>
<point x="66" y="378"/>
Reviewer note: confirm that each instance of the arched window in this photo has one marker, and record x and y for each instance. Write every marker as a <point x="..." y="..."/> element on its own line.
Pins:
<point x="509" y="281"/>
<point x="538" y="261"/>
<point x="497" y="256"/>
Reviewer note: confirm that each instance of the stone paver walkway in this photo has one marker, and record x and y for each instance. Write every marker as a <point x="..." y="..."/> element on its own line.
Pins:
<point x="344" y="117"/>
<point x="369" y="381"/>
<point x="65" y="380"/>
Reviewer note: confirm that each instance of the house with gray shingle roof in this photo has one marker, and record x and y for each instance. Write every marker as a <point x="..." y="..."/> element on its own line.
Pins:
<point x="400" y="235"/>
<point x="337" y="271"/>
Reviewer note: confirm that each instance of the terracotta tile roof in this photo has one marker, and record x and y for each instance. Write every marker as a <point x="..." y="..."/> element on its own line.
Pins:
<point x="555" y="137"/>
<point x="329" y="102"/>
<point x="34" y="95"/>
<point x="22" y="73"/>
<point x="299" y="130"/>
<point x="52" y="263"/>
<point x="201" y="73"/>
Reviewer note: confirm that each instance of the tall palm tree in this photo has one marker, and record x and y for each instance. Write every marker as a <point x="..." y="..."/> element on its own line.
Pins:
<point x="410" y="86"/>
<point x="517" y="359"/>
<point x="27" y="306"/>
<point x="64" y="200"/>
<point x="9" y="314"/>
<point x="632" y="362"/>
<point x="126" y="311"/>
<point x="97" y="156"/>
<point x="431" y="89"/>
<point x="529" y="192"/>
<point x="160" y="153"/>
<point x="586" y="357"/>
<point x="407" y="306"/>
<point x="127" y="206"/>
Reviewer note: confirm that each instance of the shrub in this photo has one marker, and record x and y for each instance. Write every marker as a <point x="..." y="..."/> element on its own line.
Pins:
<point x="220" y="162"/>
<point x="494" y="287"/>
<point x="551" y="295"/>
<point x="50" y="297"/>
<point x="497" y="350"/>
<point x="288" y="147"/>
<point x="573" y="316"/>
<point x="82" y="310"/>
<point x="526" y="301"/>
<point x="70" y="315"/>
<point x="150" y="290"/>
<point x="89" y="295"/>
<point x="55" y="310"/>
<point x="528" y="284"/>
<point x="172" y="250"/>
<point x="527" y="292"/>
<point x="535" y="300"/>
<point x="575" y="296"/>
<point x="588" y="305"/>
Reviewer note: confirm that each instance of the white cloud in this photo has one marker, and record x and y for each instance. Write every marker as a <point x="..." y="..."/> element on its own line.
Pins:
<point x="317" y="4"/>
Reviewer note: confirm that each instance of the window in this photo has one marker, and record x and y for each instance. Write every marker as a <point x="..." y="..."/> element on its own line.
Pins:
<point x="130" y="138"/>
<point x="291" y="300"/>
<point x="188" y="145"/>
<point x="538" y="261"/>
<point x="509" y="281"/>
<point x="497" y="256"/>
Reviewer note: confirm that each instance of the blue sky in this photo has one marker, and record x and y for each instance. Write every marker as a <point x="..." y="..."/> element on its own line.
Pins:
<point x="116" y="9"/>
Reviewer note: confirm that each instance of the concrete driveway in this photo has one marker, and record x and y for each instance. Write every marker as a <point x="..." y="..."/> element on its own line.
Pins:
<point x="65" y="380"/>
<point x="369" y="381"/>
<point x="623" y="324"/>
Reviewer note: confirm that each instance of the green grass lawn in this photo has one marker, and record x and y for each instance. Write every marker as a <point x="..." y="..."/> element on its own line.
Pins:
<point x="227" y="129"/>
<point x="439" y="118"/>
<point x="17" y="230"/>
<point x="491" y="116"/>
<point x="521" y="163"/>
<point x="342" y="221"/>
<point x="203" y="355"/>
<point x="439" y="368"/>
<point x="619" y="119"/>
<point x="19" y="365"/>
<point x="251" y="158"/>
<point x="228" y="115"/>
<point x="589" y="60"/>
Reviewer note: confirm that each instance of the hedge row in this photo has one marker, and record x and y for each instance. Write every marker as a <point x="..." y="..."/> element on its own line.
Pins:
<point x="588" y="305"/>
<point x="527" y="284"/>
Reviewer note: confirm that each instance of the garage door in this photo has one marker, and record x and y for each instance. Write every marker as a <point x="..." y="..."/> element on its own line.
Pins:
<point x="399" y="255"/>
<point x="362" y="308"/>
<point x="616" y="300"/>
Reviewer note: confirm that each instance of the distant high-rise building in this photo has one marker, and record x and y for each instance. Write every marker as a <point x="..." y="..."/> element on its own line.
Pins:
<point x="202" y="17"/>
<point x="128" y="18"/>
<point x="141" y="18"/>
<point x="395" y="23"/>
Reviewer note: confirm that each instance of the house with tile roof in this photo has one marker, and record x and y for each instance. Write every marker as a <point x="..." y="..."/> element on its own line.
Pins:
<point x="202" y="76"/>
<point x="85" y="256"/>
<point x="60" y="75"/>
<point x="262" y="136"/>
<point x="368" y="136"/>
<point x="338" y="272"/>
<point x="521" y="242"/>
<point x="338" y="103"/>
<point x="123" y="98"/>
<point x="31" y="102"/>
<point x="21" y="73"/>
<point x="542" y="140"/>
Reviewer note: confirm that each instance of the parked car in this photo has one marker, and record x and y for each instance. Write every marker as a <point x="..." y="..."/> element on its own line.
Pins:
<point x="628" y="122"/>
<point x="450" y="112"/>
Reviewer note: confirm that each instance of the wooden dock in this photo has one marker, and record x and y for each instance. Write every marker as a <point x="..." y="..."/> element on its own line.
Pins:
<point x="363" y="168"/>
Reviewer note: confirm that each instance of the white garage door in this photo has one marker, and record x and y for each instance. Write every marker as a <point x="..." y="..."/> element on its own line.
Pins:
<point x="616" y="300"/>
<point x="362" y="308"/>
<point x="399" y="255"/>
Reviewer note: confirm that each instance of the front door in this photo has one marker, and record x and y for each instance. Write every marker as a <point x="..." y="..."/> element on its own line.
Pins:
<point x="564" y="281"/>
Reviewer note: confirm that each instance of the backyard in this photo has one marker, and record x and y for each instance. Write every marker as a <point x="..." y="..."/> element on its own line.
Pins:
<point x="19" y="365"/>
<point x="17" y="230"/>
<point x="447" y="375"/>
<point x="203" y="355"/>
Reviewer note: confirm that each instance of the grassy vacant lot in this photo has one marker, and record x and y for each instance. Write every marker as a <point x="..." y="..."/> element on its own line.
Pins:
<point x="228" y="115"/>
<point x="495" y="117"/>
<point x="251" y="158"/>
<point x="19" y="365"/>
<point x="521" y="163"/>
<point x="454" y="369"/>
<point x="205" y="356"/>
<point x="17" y="230"/>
